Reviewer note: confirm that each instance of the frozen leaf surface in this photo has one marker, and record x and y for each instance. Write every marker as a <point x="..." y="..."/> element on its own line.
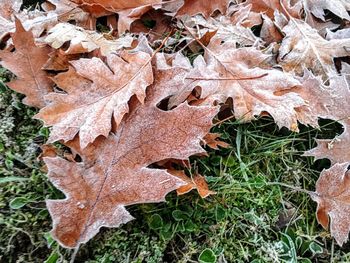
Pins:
<point x="117" y="173"/>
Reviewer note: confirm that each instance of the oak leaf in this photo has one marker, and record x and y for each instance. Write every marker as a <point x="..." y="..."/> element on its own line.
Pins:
<point x="337" y="7"/>
<point x="116" y="6"/>
<point x="204" y="7"/>
<point x="213" y="141"/>
<point x="337" y="149"/>
<point x="96" y="94"/>
<point x="31" y="79"/>
<point x="333" y="195"/>
<point x="97" y="192"/>
<point x="249" y="13"/>
<point x="235" y="73"/>
<point x="69" y="11"/>
<point x="35" y="21"/>
<point x="303" y="47"/>
<point x="59" y="60"/>
<point x="82" y="41"/>
<point x="224" y="29"/>
<point x="9" y="7"/>
<point x="198" y="182"/>
<point x="128" y="16"/>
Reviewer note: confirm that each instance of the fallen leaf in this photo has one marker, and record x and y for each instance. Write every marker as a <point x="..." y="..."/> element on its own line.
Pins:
<point x="213" y="141"/>
<point x="68" y="11"/>
<point x="204" y="7"/>
<point x="337" y="7"/>
<point x="9" y="7"/>
<point x="225" y="30"/>
<point x="116" y="6"/>
<point x="332" y="196"/>
<point x="82" y="41"/>
<point x="235" y="73"/>
<point x="31" y="79"/>
<point x="128" y="16"/>
<point x="303" y="47"/>
<point x="336" y="150"/>
<point x="107" y="89"/>
<point x="197" y="182"/>
<point x="59" y="60"/>
<point x="96" y="195"/>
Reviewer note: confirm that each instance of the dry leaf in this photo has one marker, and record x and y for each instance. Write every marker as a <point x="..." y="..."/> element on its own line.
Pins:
<point x="119" y="176"/>
<point x="337" y="7"/>
<point x="9" y="7"/>
<point x="31" y="79"/>
<point x="128" y="16"/>
<point x="197" y="182"/>
<point x="250" y="12"/>
<point x="96" y="94"/>
<point x="213" y="141"/>
<point x="235" y="73"/>
<point x="333" y="195"/>
<point x="82" y="41"/>
<point x="116" y="6"/>
<point x="69" y="11"/>
<point x="59" y="60"/>
<point x="203" y="7"/>
<point x="269" y="7"/>
<point x="337" y="149"/>
<point x="225" y="30"/>
<point x="303" y="47"/>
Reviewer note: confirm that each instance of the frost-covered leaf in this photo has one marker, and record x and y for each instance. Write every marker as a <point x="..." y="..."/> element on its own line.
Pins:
<point x="333" y="195"/>
<point x="97" y="191"/>
<point x="203" y="7"/>
<point x="337" y="7"/>
<point x="9" y="7"/>
<point x="97" y="95"/>
<point x="337" y="149"/>
<point x="26" y="63"/>
<point x="242" y="74"/>
<point x="82" y="41"/>
<point x="303" y="47"/>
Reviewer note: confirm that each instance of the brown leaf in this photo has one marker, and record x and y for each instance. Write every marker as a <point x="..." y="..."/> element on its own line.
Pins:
<point x="31" y="79"/>
<point x="59" y="61"/>
<point x="337" y="7"/>
<point x="225" y="30"/>
<point x="35" y="21"/>
<point x="69" y="11"/>
<point x="333" y="198"/>
<point x="97" y="193"/>
<point x="128" y="16"/>
<point x="269" y="31"/>
<point x="213" y="141"/>
<point x="204" y="7"/>
<point x="197" y="182"/>
<point x="250" y="12"/>
<point x="268" y="7"/>
<point x="48" y="150"/>
<point x="82" y="41"/>
<point x="9" y="7"/>
<point x="235" y="73"/>
<point x="303" y="47"/>
<point x="97" y="93"/>
<point x="320" y="99"/>
<point x="116" y="6"/>
<point x="162" y="25"/>
<point x="337" y="149"/>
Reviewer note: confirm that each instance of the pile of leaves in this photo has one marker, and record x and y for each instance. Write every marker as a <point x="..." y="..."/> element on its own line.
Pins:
<point x="131" y="89"/>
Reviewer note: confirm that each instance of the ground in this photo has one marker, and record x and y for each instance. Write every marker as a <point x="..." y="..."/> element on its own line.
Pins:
<point x="252" y="218"/>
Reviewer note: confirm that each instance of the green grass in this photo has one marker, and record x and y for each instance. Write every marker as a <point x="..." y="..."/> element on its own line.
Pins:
<point x="250" y="219"/>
